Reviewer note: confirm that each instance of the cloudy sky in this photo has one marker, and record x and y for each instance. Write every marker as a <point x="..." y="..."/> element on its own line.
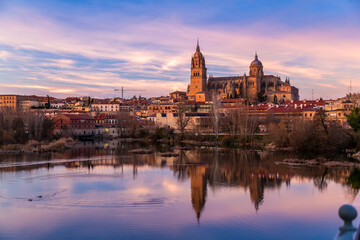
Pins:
<point x="90" y="47"/>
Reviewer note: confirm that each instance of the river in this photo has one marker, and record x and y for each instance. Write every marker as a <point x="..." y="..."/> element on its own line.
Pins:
<point x="101" y="191"/>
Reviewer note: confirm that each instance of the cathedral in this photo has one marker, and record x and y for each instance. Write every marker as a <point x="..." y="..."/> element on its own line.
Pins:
<point x="253" y="87"/>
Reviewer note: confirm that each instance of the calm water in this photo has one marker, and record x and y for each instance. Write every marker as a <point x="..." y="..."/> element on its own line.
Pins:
<point x="100" y="191"/>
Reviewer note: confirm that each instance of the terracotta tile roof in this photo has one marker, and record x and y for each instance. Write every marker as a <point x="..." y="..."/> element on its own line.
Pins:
<point x="78" y="116"/>
<point x="105" y="116"/>
<point x="232" y="100"/>
<point x="288" y="107"/>
<point x="181" y="92"/>
<point x="105" y="102"/>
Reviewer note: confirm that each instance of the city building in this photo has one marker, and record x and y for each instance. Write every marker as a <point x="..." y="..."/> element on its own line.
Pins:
<point x="196" y="121"/>
<point x="18" y="102"/>
<point x="105" y="106"/>
<point x="178" y="96"/>
<point x="161" y="108"/>
<point x="106" y="125"/>
<point x="76" y="125"/>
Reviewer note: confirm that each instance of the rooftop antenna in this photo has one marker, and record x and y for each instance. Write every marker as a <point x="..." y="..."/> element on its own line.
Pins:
<point x="127" y="90"/>
<point x="350" y="87"/>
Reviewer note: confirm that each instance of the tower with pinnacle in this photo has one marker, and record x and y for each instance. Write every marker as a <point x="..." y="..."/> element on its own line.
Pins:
<point x="198" y="73"/>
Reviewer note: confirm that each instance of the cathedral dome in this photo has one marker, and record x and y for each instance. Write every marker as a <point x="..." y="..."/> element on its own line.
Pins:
<point x="256" y="61"/>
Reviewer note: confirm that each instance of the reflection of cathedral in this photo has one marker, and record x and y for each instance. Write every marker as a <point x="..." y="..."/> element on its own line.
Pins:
<point x="252" y="172"/>
<point x="200" y="175"/>
<point x="242" y="172"/>
<point x="256" y="192"/>
<point x="198" y="188"/>
<point x="237" y="86"/>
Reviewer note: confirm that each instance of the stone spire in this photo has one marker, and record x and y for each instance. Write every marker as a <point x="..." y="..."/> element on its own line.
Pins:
<point x="198" y="79"/>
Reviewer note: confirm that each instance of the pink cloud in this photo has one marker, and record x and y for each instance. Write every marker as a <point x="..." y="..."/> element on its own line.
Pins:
<point x="329" y="56"/>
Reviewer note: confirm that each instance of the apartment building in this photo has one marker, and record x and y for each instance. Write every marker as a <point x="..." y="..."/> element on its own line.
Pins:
<point x="18" y="102"/>
<point x="77" y="125"/>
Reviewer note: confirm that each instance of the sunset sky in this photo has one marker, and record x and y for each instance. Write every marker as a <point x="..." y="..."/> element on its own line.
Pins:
<point x="76" y="48"/>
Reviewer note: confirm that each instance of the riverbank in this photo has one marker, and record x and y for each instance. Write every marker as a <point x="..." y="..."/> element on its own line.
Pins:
<point x="319" y="162"/>
<point x="32" y="146"/>
<point x="63" y="144"/>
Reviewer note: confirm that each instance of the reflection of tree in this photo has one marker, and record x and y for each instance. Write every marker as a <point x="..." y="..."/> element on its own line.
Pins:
<point x="252" y="171"/>
<point x="354" y="179"/>
<point x="320" y="182"/>
<point x="215" y="174"/>
<point x="179" y="167"/>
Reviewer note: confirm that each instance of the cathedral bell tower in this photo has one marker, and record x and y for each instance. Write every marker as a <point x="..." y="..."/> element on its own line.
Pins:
<point x="198" y="73"/>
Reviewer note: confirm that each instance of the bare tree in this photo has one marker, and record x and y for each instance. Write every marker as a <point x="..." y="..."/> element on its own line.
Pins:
<point x="19" y="127"/>
<point x="124" y="123"/>
<point x="215" y="113"/>
<point x="231" y="122"/>
<point x="239" y="122"/>
<point x="247" y="125"/>
<point x="182" y="120"/>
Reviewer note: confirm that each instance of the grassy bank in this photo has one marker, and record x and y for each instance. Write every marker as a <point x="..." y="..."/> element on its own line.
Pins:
<point x="36" y="146"/>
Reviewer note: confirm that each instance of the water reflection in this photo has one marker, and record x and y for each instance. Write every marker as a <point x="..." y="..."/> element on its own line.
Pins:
<point x="354" y="179"/>
<point x="100" y="190"/>
<point x="252" y="171"/>
<point x="212" y="168"/>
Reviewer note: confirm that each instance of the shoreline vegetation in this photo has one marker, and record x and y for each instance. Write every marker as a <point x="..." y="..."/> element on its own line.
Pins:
<point x="31" y="132"/>
<point x="33" y="146"/>
<point x="67" y="143"/>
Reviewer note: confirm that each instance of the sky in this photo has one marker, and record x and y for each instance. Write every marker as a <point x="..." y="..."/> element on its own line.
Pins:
<point x="91" y="47"/>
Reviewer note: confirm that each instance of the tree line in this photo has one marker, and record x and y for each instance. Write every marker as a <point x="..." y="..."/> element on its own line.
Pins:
<point x="318" y="135"/>
<point x="18" y="128"/>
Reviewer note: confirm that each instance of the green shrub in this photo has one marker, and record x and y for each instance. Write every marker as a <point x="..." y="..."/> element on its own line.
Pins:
<point x="227" y="141"/>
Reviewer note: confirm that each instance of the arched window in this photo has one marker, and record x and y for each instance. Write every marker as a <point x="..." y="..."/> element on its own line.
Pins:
<point x="275" y="98"/>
